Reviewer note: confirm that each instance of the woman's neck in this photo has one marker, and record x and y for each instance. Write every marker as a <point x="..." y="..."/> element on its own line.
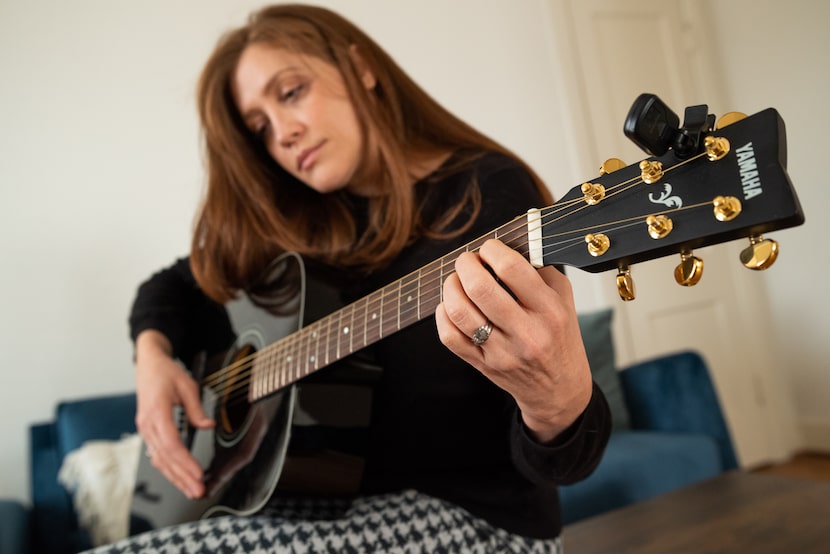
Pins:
<point x="420" y="165"/>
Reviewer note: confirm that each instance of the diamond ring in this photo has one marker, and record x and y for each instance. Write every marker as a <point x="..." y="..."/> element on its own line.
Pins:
<point x="481" y="334"/>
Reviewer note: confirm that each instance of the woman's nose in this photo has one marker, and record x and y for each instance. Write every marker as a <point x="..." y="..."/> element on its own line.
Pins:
<point x="288" y="130"/>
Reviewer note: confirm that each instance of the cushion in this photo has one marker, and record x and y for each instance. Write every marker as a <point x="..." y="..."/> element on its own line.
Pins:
<point x="14" y="527"/>
<point x="599" y="345"/>
<point x="638" y="465"/>
<point x="101" y="476"/>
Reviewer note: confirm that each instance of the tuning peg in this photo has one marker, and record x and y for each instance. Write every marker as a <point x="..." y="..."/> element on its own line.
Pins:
<point x="760" y="254"/>
<point x="611" y="165"/>
<point x="598" y="244"/>
<point x="729" y="118"/>
<point x="625" y="284"/>
<point x="651" y="172"/>
<point x="716" y="147"/>
<point x="726" y="208"/>
<point x="689" y="270"/>
<point x="593" y="193"/>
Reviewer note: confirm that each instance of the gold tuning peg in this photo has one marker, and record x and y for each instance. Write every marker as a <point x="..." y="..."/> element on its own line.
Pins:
<point x="760" y="254"/>
<point x="729" y="118"/>
<point x="689" y="270"/>
<point x="625" y="284"/>
<point x="651" y="172"/>
<point x="611" y="165"/>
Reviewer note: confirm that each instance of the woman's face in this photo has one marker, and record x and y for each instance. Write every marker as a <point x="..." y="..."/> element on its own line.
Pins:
<point x="300" y="109"/>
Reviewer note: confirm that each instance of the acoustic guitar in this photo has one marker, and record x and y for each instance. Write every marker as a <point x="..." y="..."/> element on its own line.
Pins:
<point x="703" y="183"/>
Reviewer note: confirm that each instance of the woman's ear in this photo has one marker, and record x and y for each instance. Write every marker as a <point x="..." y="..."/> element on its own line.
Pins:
<point x="366" y="75"/>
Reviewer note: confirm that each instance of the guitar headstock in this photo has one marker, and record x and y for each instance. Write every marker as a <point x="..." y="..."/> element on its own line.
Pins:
<point x="731" y="184"/>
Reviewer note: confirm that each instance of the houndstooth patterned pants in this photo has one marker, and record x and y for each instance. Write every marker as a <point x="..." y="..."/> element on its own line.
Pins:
<point x="408" y="522"/>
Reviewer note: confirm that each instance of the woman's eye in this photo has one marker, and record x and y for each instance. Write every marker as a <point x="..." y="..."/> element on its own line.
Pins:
<point x="260" y="131"/>
<point x="292" y="93"/>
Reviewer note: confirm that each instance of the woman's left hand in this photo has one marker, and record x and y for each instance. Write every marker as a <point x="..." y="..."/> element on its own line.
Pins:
<point x="535" y="350"/>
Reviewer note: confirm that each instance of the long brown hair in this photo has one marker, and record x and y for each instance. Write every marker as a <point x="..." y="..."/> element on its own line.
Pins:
<point x="253" y="210"/>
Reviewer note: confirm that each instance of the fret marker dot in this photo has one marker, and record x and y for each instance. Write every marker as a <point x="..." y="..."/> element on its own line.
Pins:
<point x="374" y="316"/>
<point x="409" y="298"/>
<point x="345" y="330"/>
<point x="289" y="358"/>
<point x="313" y="359"/>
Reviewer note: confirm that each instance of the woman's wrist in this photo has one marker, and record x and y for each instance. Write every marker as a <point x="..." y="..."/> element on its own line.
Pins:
<point x="152" y="344"/>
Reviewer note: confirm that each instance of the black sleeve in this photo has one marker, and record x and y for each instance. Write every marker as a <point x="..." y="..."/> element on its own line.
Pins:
<point x="577" y="451"/>
<point x="171" y="302"/>
<point x="573" y="455"/>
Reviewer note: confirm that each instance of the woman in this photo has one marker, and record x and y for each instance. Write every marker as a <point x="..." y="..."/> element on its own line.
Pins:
<point x="318" y="143"/>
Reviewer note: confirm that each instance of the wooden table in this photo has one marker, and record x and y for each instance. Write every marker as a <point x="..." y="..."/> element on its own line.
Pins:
<point x="736" y="512"/>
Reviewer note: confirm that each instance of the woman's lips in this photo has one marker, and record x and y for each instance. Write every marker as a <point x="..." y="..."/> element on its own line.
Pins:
<point x="308" y="156"/>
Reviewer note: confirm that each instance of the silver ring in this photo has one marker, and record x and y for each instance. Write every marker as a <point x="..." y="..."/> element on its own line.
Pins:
<point x="148" y="452"/>
<point x="481" y="334"/>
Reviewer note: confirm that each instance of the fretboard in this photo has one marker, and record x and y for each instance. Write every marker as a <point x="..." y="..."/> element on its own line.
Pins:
<point x="367" y="320"/>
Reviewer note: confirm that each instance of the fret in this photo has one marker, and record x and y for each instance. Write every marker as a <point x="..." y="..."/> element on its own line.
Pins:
<point x="430" y="288"/>
<point x="441" y="279"/>
<point x="327" y="320"/>
<point x="302" y="352"/>
<point x="345" y="335"/>
<point x="309" y="354"/>
<point x="418" y="296"/>
<point x="299" y="356"/>
<point x="365" y="321"/>
<point x="276" y="378"/>
<point x="268" y="363"/>
<point x="517" y="238"/>
<point x="287" y="360"/>
<point x="408" y="300"/>
<point x="388" y="321"/>
<point x="398" y="315"/>
<point x="337" y="335"/>
<point x="257" y="376"/>
<point x="316" y="336"/>
<point x="263" y="370"/>
<point x="358" y="329"/>
<point x="380" y="316"/>
<point x="373" y="314"/>
<point x="351" y="326"/>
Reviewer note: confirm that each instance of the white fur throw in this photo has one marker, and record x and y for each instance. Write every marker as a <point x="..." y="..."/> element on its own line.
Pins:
<point x="101" y="475"/>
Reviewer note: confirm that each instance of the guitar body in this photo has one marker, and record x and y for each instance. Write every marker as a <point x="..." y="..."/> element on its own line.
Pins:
<point x="243" y="455"/>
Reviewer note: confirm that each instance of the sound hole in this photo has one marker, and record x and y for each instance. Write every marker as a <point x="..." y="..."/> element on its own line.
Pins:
<point x="233" y="405"/>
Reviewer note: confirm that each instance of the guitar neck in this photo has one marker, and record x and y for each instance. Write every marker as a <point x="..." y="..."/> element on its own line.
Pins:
<point x="399" y="304"/>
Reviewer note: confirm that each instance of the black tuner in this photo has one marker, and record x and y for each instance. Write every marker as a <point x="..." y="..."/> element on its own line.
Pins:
<point x="655" y="128"/>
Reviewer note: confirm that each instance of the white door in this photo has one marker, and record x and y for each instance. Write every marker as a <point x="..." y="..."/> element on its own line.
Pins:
<point x="611" y="52"/>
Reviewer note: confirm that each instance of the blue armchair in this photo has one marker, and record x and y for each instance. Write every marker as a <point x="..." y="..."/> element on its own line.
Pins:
<point x="52" y="524"/>
<point x="676" y="436"/>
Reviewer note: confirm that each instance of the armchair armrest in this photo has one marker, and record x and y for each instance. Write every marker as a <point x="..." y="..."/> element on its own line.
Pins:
<point x="675" y="393"/>
<point x="15" y="528"/>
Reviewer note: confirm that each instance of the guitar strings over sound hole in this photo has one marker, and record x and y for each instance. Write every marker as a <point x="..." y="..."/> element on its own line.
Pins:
<point x="232" y="409"/>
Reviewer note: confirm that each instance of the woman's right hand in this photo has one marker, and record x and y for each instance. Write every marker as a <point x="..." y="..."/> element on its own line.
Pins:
<point x="161" y="384"/>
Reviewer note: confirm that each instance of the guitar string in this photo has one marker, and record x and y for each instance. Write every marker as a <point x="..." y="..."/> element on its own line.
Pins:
<point x="238" y="382"/>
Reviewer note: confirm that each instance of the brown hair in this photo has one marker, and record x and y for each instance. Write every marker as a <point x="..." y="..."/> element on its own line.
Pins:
<point x="253" y="210"/>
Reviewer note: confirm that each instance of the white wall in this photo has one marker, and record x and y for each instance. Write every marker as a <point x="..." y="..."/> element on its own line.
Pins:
<point x="100" y="169"/>
<point x="776" y="55"/>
